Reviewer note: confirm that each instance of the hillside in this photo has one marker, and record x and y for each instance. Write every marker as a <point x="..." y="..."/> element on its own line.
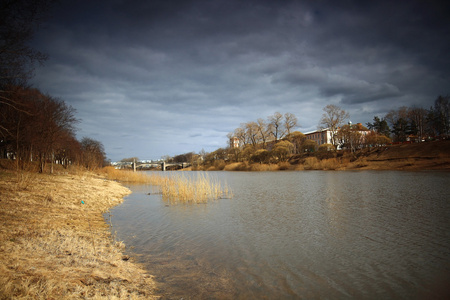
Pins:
<point x="417" y="156"/>
<point x="427" y="156"/>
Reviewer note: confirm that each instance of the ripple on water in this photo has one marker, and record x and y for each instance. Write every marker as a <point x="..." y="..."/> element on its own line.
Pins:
<point x="298" y="235"/>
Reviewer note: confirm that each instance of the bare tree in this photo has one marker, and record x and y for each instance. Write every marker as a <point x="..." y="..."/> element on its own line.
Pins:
<point x="440" y="116"/>
<point x="349" y="137"/>
<point x="19" y="19"/>
<point x="251" y="129"/>
<point x="263" y="132"/>
<point x="418" y="118"/>
<point x="399" y="123"/>
<point x="38" y="129"/>
<point x="93" y="153"/>
<point x="276" y="126"/>
<point x="333" y="118"/>
<point x="54" y="120"/>
<point x="290" y="122"/>
<point x="241" y="134"/>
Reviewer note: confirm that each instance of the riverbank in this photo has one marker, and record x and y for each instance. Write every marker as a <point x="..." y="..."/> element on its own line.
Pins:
<point x="55" y="243"/>
<point x="410" y="157"/>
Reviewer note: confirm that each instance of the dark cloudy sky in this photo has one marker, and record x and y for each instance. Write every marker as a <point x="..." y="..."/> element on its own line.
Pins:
<point x="153" y="78"/>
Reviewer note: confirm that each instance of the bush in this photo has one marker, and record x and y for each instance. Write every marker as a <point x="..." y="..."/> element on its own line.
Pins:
<point x="311" y="163"/>
<point x="219" y="164"/>
<point x="326" y="147"/>
<point x="261" y="156"/>
<point x="239" y="166"/>
<point x="264" y="167"/>
<point x="309" y="146"/>
<point x="284" y="165"/>
<point x="329" y="164"/>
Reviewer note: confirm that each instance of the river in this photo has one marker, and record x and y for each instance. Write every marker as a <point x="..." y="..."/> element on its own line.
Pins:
<point x="291" y="235"/>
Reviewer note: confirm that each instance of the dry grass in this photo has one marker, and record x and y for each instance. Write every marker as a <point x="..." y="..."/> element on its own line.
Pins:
<point x="52" y="246"/>
<point x="312" y="163"/>
<point x="237" y="166"/>
<point x="257" y="167"/>
<point x="284" y="165"/>
<point x="178" y="188"/>
<point x="130" y="176"/>
<point x="197" y="189"/>
<point x="360" y="163"/>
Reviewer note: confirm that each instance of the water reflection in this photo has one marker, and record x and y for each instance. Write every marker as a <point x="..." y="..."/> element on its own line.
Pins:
<point x="298" y="235"/>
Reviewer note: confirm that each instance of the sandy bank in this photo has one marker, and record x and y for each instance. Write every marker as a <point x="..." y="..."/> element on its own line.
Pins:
<point x="55" y="244"/>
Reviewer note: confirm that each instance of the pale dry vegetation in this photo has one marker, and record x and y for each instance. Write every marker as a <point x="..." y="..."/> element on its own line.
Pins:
<point x="132" y="177"/>
<point x="55" y="243"/>
<point x="312" y="163"/>
<point x="197" y="189"/>
<point x="260" y="167"/>
<point x="177" y="188"/>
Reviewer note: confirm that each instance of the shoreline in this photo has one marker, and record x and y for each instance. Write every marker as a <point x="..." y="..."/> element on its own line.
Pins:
<point x="56" y="244"/>
<point x="401" y="157"/>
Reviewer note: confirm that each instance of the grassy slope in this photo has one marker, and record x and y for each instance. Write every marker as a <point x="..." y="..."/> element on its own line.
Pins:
<point x="426" y="156"/>
<point x="52" y="246"/>
<point x="419" y="156"/>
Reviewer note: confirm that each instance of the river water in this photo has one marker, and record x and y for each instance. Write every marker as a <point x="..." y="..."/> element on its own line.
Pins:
<point x="291" y="235"/>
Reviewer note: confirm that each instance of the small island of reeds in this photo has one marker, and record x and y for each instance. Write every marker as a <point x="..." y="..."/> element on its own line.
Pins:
<point x="177" y="188"/>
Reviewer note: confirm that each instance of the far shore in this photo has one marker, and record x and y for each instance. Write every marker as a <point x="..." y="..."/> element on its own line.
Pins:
<point x="409" y="157"/>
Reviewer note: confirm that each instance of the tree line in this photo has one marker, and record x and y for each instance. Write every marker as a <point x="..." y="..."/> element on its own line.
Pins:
<point x="264" y="140"/>
<point x="274" y="139"/>
<point x="34" y="127"/>
<point x="417" y="123"/>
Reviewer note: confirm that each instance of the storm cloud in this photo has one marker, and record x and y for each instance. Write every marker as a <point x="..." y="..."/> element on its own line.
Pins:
<point x="154" y="78"/>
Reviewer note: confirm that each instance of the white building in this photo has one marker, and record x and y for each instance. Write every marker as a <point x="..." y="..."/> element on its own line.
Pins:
<point x="321" y="136"/>
<point x="234" y="142"/>
<point x="324" y="136"/>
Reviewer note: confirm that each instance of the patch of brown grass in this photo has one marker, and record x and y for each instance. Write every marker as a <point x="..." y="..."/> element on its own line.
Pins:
<point x="197" y="189"/>
<point x="257" y="167"/>
<point x="312" y="163"/>
<point x="130" y="176"/>
<point x="264" y="167"/>
<point x="330" y="164"/>
<point x="284" y="165"/>
<point x="52" y="246"/>
<point x="237" y="166"/>
<point x="175" y="189"/>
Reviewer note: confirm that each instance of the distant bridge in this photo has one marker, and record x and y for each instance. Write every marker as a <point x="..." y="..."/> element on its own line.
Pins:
<point x="163" y="165"/>
<point x="183" y="165"/>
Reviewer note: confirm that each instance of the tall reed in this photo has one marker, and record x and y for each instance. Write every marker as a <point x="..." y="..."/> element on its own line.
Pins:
<point x="312" y="163"/>
<point x="176" y="188"/>
<point x="195" y="189"/>
<point x="132" y="177"/>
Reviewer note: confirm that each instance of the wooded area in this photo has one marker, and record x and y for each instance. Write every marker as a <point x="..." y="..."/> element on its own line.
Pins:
<point x="274" y="138"/>
<point x="35" y="127"/>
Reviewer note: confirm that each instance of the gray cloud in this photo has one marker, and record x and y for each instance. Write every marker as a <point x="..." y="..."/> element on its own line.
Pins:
<point x="150" y="78"/>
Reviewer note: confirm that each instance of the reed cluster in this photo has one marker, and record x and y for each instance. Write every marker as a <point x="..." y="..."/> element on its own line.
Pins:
<point x="196" y="189"/>
<point x="177" y="188"/>
<point x="312" y="163"/>
<point x="132" y="177"/>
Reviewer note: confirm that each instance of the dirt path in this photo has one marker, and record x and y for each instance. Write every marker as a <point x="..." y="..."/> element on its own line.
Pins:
<point x="55" y="244"/>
